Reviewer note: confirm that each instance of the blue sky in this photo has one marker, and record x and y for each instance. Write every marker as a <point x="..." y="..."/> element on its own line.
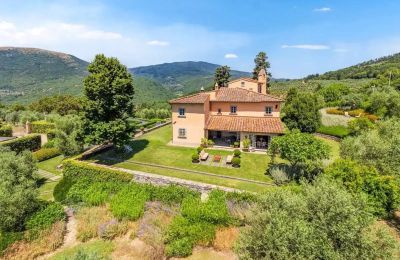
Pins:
<point x="300" y="37"/>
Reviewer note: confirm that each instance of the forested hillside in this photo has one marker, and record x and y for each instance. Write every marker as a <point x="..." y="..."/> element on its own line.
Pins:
<point x="183" y="77"/>
<point x="369" y="69"/>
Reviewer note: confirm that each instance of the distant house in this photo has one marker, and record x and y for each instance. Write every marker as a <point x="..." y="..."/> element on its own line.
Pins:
<point x="229" y="114"/>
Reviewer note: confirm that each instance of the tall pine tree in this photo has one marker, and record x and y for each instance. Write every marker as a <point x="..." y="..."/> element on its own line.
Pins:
<point x="222" y="75"/>
<point x="261" y="62"/>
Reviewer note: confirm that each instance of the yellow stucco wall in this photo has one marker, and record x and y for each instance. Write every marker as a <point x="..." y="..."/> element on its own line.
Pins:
<point x="252" y="86"/>
<point x="245" y="109"/>
<point x="193" y="122"/>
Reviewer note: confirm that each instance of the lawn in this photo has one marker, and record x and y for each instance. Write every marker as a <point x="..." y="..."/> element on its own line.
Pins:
<point x="153" y="148"/>
<point x="46" y="190"/>
<point x="51" y="165"/>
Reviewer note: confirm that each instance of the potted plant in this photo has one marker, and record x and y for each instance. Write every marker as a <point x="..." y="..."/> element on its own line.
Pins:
<point x="236" y="144"/>
<point x="204" y="142"/>
<point x="236" y="162"/>
<point x="195" y="158"/>
<point x="199" y="149"/>
<point x="246" y="144"/>
<point x="210" y="143"/>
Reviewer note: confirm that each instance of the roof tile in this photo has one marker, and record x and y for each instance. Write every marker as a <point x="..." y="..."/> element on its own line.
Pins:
<point x="243" y="95"/>
<point x="272" y="125"/>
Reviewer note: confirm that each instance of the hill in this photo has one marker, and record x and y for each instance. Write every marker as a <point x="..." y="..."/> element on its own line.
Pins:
<point x="183" y="77"/>
<point x="369" y="69"/>
<point x="27" y="74"/>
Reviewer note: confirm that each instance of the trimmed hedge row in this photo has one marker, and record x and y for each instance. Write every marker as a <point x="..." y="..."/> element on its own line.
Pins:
<point x="6" y="131"/>
<point x="42" y="127"/>
<point x="30" y="142"/>
<point x="74" y="171"/>
<point x="46" y="153"/>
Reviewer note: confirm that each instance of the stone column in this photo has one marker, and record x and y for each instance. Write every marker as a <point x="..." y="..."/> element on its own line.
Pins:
<point x="28" y="127"/>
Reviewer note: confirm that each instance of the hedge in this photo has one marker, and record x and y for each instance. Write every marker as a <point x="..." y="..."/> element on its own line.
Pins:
<point x="6" y="131"/>
<point x="30" y="142"/>
<point x="42" y="127"/>
<point x="337" y="130"/>
<point x="46" y="153"/>
<point x="74" y="170"/>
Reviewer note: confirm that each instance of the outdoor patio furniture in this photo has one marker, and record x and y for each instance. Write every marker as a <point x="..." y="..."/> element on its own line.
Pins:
<point x="217" y="158"/>
<point x="203" y="155"/>
<point x="229" y="159"/>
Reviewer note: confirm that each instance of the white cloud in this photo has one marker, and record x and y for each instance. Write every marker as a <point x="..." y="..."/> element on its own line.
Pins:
<point x="323" y="9"/>
<point x="6" y="25"/>
<point x="307" y="46"/>
<point x="158" y="43"/>
<point x="230" y="56"/>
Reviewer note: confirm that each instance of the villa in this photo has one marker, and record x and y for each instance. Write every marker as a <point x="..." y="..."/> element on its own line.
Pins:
<point x="228" y="114"/>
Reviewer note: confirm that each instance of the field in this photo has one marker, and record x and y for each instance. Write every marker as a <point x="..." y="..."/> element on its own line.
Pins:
<point x="153" y="149"/>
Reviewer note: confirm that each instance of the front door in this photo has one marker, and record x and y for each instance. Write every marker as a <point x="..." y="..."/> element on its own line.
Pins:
<point x="262" y="141"/>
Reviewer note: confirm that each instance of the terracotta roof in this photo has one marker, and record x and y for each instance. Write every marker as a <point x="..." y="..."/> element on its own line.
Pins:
<point x="242" y="95"/>
<point x="198" y="98"/>
<point x="272" y="125"/>
<point x="244" y="79"/>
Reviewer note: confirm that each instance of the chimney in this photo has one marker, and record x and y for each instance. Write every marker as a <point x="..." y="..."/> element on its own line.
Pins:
<point x="216" y="86"/>
<point x="263" y="81"/>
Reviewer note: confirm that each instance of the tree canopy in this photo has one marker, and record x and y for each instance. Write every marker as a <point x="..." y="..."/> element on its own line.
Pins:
<point x="62" y="105"/>
<point x="261" y="62"/>
<point x="301" y="111"/>
<point x="108" y="102"/>
<point x="222" y="75"/>
<point x="322" y="221"/>
<point x="17" y="188"/>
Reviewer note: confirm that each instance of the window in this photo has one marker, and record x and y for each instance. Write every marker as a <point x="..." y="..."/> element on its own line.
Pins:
<point x="219" y="110"/>
<point x="182" y="133"/>
<point x="181" y="112"/>
<point x="276" y="106"/>
<point x="242" y="84"/>
<point x="268" y="110"/>
<point x="259" y="88"/>
<point x="233" y="109"/>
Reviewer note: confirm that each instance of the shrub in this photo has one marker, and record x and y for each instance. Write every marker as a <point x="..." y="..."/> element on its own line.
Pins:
<point x="334" y="111"/>
<point x="129" y="202"/>
<point x="210" y="142"/>
<point x="44" y="218"/>
<point x="46" y="153"/>
<point x="246" y="143"/>
<point x="88" y="221"/>
<point x="199" y="149"/>
<point x="195" y="158"/>
<point x="213" y="211"/>
<point x="183" y="234"/>
<point x="237" y="153"/>
<point x="112" y="229"/>
<point x="236" y="162"/>
<point x="75" y="170"/>
<point x="8" y="238"/>
<point x="359" y="125"/>
<point x="49" y="144"/>
<point x="42" y="127"/>
<point x="6" y="130"/>
<point x="356" y="112"/>
<point x="30" y="142"/>
<point x="236" y="144"/>
<point x="51" y="134"/>
<point x="279" y="175"/>
<point x="337" y="130"/>
<point x="372" y="118"/>
<point x="171" y="194"/>
<point x="61" y="189"/>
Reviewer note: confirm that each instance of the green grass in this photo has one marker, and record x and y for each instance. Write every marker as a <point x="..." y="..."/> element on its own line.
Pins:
<point x="46" y="190"/>
<point x="337" y="130"/>
<point x="335" y="148"/>
<point x="51" y="165"/>
<point x="97" y="249"/>
<point x="153" y="148"/>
